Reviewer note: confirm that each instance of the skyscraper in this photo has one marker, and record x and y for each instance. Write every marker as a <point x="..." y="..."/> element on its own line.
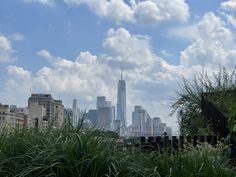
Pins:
<point x="142" y="123"/>
<point x="121" y="105"/>
<point x="101" y="101"/>
<point x="75" y="118"/>
<point x="104" y="113"/>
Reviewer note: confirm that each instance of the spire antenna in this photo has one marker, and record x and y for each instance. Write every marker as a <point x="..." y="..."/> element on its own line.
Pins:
<point x="121" y="73"/>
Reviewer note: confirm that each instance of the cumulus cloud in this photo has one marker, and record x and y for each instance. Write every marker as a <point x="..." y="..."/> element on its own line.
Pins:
<point x="150" y="79"/>
<point x="50" y="3"/>
<point x="5" y="49"/>
<point x="19" y="72"/>
<point x="116" y="10"/>
<point x="47" y="55"/>
<point x="209" y="27"/>
<point x="17" y="86"/>
<point x="156" y="11"/>
<point x="203" y="53"/>
<point x="143" y="12"/>
<point x="212" y="42"/>
<point x="83" y="76"/>
<point x="88" y="75"/>
<point x="229" y="8"/>
<point x="127" y="50"/>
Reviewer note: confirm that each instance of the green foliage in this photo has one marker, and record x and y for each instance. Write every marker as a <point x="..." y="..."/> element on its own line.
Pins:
<point x="74" y="152"/>
<point x="220" y="89"/>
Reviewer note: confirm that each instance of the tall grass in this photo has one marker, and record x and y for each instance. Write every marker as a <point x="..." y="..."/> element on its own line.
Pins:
<point x="72" y="152"/>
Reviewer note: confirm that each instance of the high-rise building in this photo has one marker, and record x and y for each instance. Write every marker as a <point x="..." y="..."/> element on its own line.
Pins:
<point x="58" y="113"/>
<point x="54" y="108"/>
<point x="104" y="117"/>
<point x="104" y="113"/>
<point x="38" y="112"/>
<point x="113" y="118"/>
<point x="92" y="116"/>
<point x="46" y="101"/>
<point x="101" y="101"/>
<point x="121" y="105"/>
<point x="156" y="126"/>
<point x="136" y="120"/>
<point x="149" y="126"/>
<point x="142" y="123"/>
<point x="75" y="118"/>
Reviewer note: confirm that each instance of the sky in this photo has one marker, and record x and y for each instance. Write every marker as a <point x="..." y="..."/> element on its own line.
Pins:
<point x="75" y="49"/>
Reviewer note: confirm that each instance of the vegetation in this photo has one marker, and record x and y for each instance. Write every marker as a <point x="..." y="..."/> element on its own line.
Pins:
<point x="84" y="152"/>
<point x="81" y="153"/>
<point x="220" y="89"/>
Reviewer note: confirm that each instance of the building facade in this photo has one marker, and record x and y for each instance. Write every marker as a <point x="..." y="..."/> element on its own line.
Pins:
<point x="121" y="106"/>
<point x="75" y="118"/>
<point x="54" y="108"/>
<point x="9" y="119"/>
<point x="92" y="116"/>
<point x="104" y="113"/>
<point x="58" y="113"/>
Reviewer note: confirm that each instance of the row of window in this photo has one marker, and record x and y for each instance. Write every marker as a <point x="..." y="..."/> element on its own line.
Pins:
<point x="2" y="118"/>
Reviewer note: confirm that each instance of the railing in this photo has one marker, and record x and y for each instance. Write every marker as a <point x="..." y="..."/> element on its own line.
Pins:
<point x="176" y="142"/>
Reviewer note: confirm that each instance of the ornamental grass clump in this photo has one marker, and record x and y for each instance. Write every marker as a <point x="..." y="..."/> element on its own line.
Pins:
<point x="55" y="153"/>
<point x="78" y="152"/>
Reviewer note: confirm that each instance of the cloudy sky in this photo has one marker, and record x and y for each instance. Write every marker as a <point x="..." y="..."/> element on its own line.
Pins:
<point x="77" y="47"/>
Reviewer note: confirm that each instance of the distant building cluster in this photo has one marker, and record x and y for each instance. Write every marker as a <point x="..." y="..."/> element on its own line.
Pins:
<point x="42" y="111"/>
<point x="144" y="125"/>
<point x="107" y="117"/>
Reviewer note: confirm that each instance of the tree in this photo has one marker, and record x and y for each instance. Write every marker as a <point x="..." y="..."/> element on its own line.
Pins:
<point x="219" y="89"/>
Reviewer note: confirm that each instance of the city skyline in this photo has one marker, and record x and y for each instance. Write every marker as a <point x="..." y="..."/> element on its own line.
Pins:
<point x="43" y="110"/>
<point x="74" y="49"/>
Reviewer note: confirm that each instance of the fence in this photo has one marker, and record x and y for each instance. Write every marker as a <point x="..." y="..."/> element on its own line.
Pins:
<point x="176" y="142"/>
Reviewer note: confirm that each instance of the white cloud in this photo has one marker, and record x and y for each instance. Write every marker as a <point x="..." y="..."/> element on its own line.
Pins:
<point x="19" y="72"/>
<point x="84" y="76"/>
<point x="88" y="75"/>
<point x="5" y="49"/>
<point x="127" y="50"/>
<point x="116" y="10"/>
<point x="144" y="12"/>
<point x="17" y="86"/>
<point x="210" y="27"/>
<point x="86" y="58"/>
<point x="150" y="79"/>
<point x="50" y="3"/>
<point x="212" y="42"/>
<point x="230" y="11"/>
<point x="204" y="53"/>
<point x="156" y="11"/>
<point x="47" y="55"/>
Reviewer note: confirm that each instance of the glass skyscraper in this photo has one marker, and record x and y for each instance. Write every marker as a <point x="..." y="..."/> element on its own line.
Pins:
<point x="121" y="106"/>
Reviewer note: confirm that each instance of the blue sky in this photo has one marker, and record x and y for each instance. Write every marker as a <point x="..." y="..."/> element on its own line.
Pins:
<point x="77" y="47"/>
